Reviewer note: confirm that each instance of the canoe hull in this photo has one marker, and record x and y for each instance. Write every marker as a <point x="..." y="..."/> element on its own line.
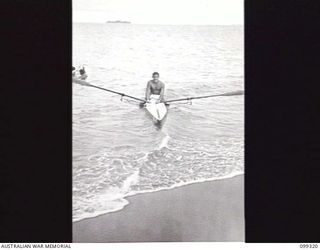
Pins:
<point x="157" y="110"/>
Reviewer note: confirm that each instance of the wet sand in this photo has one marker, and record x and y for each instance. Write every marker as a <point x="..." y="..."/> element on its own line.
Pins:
<point x="209" y="211"/>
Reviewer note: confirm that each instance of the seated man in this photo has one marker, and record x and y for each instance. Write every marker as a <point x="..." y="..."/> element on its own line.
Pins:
<point x="155" y="87"/>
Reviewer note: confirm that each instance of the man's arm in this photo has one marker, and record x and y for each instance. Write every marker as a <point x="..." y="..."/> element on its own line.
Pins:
<point x="148" y="91"/>
<point x="162" y="93"/>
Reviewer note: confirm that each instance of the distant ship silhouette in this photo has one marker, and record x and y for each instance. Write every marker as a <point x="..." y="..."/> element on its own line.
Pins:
<point x="118" y="21"/>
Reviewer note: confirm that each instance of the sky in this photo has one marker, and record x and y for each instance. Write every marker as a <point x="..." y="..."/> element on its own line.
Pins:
<point x="166" y="12"/>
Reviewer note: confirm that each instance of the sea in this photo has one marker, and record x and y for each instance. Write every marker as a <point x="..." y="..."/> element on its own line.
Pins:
<point x="118" y="151"/>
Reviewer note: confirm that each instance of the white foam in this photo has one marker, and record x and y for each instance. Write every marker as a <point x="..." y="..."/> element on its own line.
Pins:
<point x="131" y="180"/>
<point x="121" y="202"/>
<point x="110" y="200"/>
<point x="112" y="207"/>
<point x="180" y="184"/>
<point x="164" y="142"/>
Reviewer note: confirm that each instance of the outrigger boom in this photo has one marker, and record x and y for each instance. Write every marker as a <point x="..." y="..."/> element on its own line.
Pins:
<point x="239" y="92"/>
<point x="157" y="110"/>
<point x="108" y="90"/>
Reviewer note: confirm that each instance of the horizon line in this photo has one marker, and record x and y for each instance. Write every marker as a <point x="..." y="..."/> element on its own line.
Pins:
<point x="106" y="22"/>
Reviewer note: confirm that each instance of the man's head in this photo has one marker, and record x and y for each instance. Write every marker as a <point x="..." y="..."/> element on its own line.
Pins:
<point x="82" y="71"/>
<point x="155" y="76"/>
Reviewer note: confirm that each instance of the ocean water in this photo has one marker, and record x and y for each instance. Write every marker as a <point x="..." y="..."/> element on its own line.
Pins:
<point x="117" y="149"/>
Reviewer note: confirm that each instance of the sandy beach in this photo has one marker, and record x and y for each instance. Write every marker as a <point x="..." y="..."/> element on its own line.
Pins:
<point x="208" y="211"/>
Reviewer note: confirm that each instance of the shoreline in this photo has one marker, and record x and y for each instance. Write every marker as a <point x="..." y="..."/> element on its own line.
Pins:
<point x="159" y="190"/>
<point x="211" y="210"/>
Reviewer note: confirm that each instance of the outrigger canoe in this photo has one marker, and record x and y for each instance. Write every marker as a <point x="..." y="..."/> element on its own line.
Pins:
<point x="158" y="110"/>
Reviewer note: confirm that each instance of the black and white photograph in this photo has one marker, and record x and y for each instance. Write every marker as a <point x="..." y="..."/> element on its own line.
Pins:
<point x="147" y="123"/>
<point x="158" y="121"/>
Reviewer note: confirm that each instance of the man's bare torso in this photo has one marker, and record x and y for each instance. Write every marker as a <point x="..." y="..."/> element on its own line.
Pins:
<point x="155" y="88"/>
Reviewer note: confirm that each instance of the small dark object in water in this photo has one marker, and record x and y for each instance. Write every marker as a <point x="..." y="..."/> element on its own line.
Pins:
<point x="83" y="74"/>
<point x="82" y="71"/>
